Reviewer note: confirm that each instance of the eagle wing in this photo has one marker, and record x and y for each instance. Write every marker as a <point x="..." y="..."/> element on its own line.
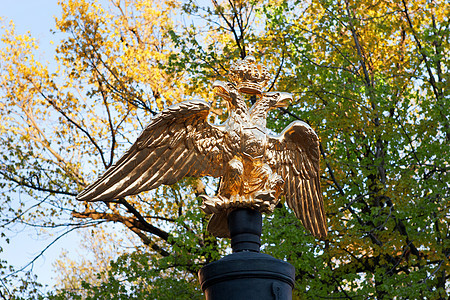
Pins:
<point x="295" y="155"/>
<point x="178" y="142"/>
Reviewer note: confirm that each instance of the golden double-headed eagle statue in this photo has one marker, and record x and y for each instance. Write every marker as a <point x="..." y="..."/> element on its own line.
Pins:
<point x="256" y="168"/>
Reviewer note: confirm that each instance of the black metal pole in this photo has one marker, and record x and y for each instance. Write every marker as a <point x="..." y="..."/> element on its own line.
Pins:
<point x="246" y="273"/>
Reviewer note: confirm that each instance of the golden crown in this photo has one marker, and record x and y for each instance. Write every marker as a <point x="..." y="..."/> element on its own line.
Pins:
<point x="248" y="76"/>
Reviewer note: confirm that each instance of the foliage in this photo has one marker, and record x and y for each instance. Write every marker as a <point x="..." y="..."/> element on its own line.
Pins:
<point x="63" y="123"/>
<point x="100" y="245"/>
<point x="371" y="77"/>
<point x="137" y="276"/>
<point x="15" y="287"/>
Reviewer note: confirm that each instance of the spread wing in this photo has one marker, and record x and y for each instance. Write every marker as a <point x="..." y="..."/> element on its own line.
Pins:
<point x="178" y="142"/>
<point x="295" y="155"/>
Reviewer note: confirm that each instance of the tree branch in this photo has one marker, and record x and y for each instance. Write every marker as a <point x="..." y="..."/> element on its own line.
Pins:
<point x="422" y="53"/>
<point x="22" y="182"/>
<point x="358" y="47"/>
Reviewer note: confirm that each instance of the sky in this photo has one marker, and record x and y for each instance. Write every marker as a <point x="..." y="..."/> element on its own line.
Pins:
<point x="37" y="17"/>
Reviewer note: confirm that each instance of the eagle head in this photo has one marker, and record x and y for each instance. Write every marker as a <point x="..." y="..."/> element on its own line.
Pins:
<point x="225" y="89"/>
<point x="277" y="99"/>
<point x="228" y="92"/>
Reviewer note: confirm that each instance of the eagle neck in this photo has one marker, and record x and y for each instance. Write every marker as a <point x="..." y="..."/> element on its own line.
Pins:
<point x="258" y="113"/>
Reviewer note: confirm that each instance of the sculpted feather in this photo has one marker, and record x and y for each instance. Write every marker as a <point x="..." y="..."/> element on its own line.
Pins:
<point x="256" y="167"/>
<point x="161" y="157"/>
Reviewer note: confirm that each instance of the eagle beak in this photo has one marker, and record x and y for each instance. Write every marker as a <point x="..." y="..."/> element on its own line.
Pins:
<point x="221" y="89"/>
<point x="284" y="99"/>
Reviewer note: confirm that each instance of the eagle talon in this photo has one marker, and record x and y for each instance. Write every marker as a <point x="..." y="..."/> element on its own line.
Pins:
<point x="266" y="195"/>
<point x="212" y="205"/>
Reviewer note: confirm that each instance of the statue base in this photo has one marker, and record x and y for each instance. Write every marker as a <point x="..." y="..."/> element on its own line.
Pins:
<point x="220" y="208"/>
<point x="246" y="273"/>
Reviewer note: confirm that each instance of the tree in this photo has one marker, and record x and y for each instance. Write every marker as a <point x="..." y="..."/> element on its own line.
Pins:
<point x="130" y="277"/>
<point x="16" y="287"/>
<point x="370" y="77"/>
<point x="101" y="245"/>
<point x="60" y="129"/>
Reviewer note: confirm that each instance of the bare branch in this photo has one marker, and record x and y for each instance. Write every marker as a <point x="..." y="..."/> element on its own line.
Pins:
<point x="22" y="182"/>
<point x="358" y="47"/>
<point x="42" y="251"/>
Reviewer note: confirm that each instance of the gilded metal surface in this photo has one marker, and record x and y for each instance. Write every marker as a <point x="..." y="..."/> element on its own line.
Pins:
<point x="256" y="167"/>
